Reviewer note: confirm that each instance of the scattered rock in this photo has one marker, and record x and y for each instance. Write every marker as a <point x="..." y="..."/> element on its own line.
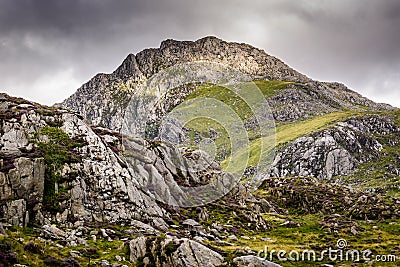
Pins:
<point x="290" y="224"/>
<point x="253" y="261"/>
<point x="175" y="252"/>
<point x="232" y="237"/>
<point x="52" y="232"/>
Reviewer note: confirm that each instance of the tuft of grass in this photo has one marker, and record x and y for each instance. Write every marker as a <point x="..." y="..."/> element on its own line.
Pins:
<point x="272" y="88"/>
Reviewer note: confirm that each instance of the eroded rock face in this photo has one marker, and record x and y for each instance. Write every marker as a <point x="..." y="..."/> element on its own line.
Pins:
<point x="100" y="187"/>
<point x="333" y="152"/>
<point x="22" y="189"/>
<point x="15" y="212"/>
<point x="172" y="252"/>
<point x="163" y="171"/>
<point x="104" y="189"/>
<point x="25" y="180"/>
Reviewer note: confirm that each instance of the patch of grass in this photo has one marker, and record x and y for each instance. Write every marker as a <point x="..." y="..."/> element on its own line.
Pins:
<point x="50" y="254"/>
<point x="378" y="174"/>
<point x="272" y="88"/>
<point x="225" y="95"/>
<point x="396" y="117"/>
<point x="381" y="237"/>
<point x="230" y="97"/>
<point x="286" y="132"/>
<point x="203" y="128"/>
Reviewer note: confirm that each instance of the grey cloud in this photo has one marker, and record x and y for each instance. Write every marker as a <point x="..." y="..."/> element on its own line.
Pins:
<point x="48" y="48"/>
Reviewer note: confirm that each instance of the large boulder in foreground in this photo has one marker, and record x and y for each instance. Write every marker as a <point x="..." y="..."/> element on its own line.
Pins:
<point x="152" y="251"/>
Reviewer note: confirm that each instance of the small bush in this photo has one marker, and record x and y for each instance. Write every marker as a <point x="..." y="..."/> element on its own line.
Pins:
<point x="7" y="256"/>
<point x="70" y="262"/>
<point x="56" y="152"/>
<point x="33" y="248"/>
<point x="171" y="247"/>
<point x="51" y="261"/>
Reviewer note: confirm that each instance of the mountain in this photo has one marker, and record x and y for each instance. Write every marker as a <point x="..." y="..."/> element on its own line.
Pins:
<point x="76" y="190"/>
<point x="338" y="117"/>
<point x="103" y="99"/>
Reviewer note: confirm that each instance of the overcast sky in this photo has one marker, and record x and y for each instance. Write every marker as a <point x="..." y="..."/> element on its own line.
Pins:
<point x="48" y="48"/>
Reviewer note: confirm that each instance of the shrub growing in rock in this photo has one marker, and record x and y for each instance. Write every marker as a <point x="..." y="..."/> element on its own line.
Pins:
<point x="58" y="150"/>
<point x="7" y="256"/>
<point x="51" y="261"/>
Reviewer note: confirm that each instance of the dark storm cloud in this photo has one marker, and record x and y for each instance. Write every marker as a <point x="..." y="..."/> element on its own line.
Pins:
<point x="48" y="48"/>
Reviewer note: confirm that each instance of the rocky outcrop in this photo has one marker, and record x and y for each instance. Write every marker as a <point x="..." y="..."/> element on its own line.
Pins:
<point x="97" y="183"/>
<point x="23" y="185"/>
<point x="64" y="171"/>
<point x="65" y="176"/>
<point x="172" y="252"/>
<point x="98" y="186"/>
<point x="333" y="152"/>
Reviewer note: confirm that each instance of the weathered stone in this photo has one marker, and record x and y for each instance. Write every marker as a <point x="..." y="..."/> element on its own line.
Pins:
<point x="144" y="228"/>
<point x="52" y="232"/>
<point x="173" y="252"/>
<point x="137" y="248"/>
<point x="15" y="213"/>
<point x="25" y="180"/>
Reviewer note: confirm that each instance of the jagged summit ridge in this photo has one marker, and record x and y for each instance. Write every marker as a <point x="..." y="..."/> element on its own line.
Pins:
<point x="247" y="59"/>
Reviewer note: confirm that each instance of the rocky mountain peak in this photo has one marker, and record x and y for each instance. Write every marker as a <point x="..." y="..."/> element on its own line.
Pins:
<point x="246" y="58"/>
<point x="128" y="69"/>
<point x="103" y="99"/>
